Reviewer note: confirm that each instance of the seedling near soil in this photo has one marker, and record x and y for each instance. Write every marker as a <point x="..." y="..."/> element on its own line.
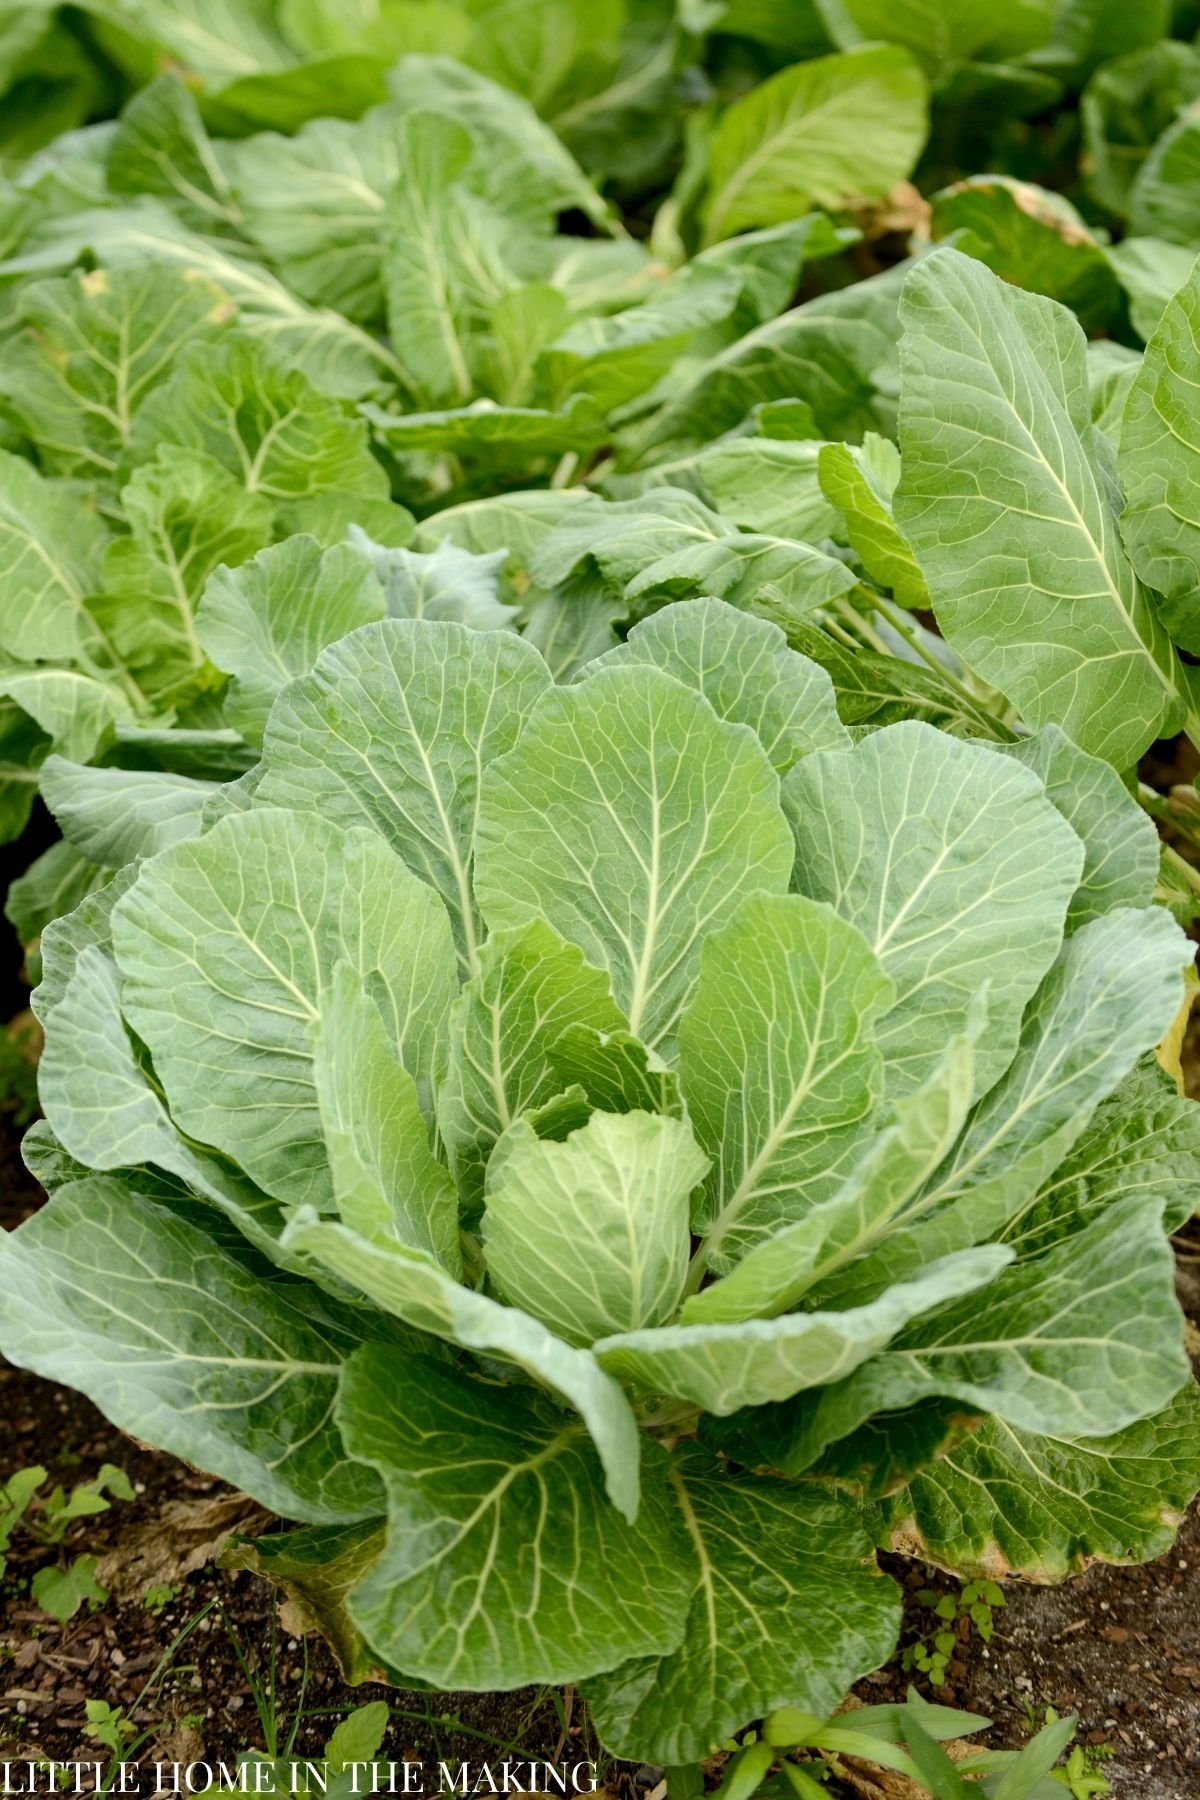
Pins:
<point x="973" y="1606"/>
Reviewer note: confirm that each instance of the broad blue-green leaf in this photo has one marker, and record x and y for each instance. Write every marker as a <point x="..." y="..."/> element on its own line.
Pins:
<point x="1160" y="464"/>
<point x="1120" y="844"/>
<point x="1112" y="371"/>
<point x="861" y="482"/>
<point x="942" y="31"/>
<point x="667" y="542"/>
<point x="837" y="352"/>
<point x="251" y="626"/>
<point x="780" y="1069"/>
<point x="171" y="1337"/>
<point x="1150" y="270"/>
<point x="160" y="147"/>
<point x="228" y="943"/>
<point x="633" y="820"/>
<point x="496" y="1500"/>
<point x="1078" y="1342"/>
<point x="764" y="1554"/>
<point x="1009" y="1502"/>
<point x="187" y="515"/>
<point x="1125" y="108"/>
<point x="743" y="666"/>
<point x="896" y="1162"/>
<point x="78" y="713"/>
<point x="1108" y="999"/>
<point x="1035" y="239"/>
<point x="393" y="728"/>
<point x="957" y="869"/>
<point x="54" y="883"/>
<point x="591" y="1236"/>
<point x="411" y="1286"/>
<point x="91" y="348"/>
<point x="113" y="816"/>
<point x="387" y="1183"/>
<point x="262" y="419"/>
<point x="484" y="432"/>
<point x="445" y="583"/>
<point x="1008" y="500"/>
<point x="616" y="1072"/>
<point x="1143" y="1139"/>
<point x="529" y="989"/>
<point x="821" y="133"/>
<point x="1164" y="200"/>
<point x="723" y="1367"/>
<point x="51" y="543"/>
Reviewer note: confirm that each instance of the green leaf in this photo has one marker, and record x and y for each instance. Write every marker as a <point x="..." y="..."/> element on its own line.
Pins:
<point x="160" y="147"/>
<point x="1010" y="1502"/>
<point x="1164" y="200"/>
<point x="317" y="1567"/>
<point x="743" y="667"/>
<point x="939" y="32"/>
<point x="591" y="1236"/>
<point x="957" y="869"/>
<point x="62" y="1591"/>
<point x="723" y="1367"/>
<point x="497" y="1498"/>
<point x="779" y="1065"/>
<point x="393" y="728"/>
<point x="763" y="1554"/>
<point x="249" y="624"/>
<point x="1120" y="844"/>
<point x="263" y="421"/>
<point x="1033" y="238"/>
<point x="187" y="516"/>
<point x="1126" y="107"/>
<point x="1078" y="1342"/>
<point x="1159" y="461"/>
<point x="1150" y="271"/>
<point x="114" y="816"/>
<point x="529" y="989"/>
<point x="91" y="348"/>
<point x="54" y="883"/>
<point x="1007" y="498"/>
<point x="171" y="1337"/>
<point x="861" y="484"/>
<point x="445" y="583"/>
<point x="228" y="944"/>
<point x="616" y="1071"/>
<point x="411" y="1286"/>
<point x="387" y="1183"/>
<point x="825" y="133"/>
<point x="632" y="819"/>
<point x="779" y="1269"/>
<point x="51" y="543"/>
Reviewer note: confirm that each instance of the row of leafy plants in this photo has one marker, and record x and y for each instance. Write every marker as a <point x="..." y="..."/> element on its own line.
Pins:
<point x="595" y="1062"/>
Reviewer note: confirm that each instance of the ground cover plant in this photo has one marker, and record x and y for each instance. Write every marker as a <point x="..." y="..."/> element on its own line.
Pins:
<point x="587" y="601"/>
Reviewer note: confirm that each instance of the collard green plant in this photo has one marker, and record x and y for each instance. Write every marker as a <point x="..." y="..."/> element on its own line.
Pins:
<point x="527" y="1126"/>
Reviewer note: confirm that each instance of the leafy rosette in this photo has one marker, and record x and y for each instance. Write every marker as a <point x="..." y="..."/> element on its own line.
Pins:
<point x="602" y="1157"/>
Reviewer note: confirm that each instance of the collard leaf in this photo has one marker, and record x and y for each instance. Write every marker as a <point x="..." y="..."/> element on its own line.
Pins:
<point x="51" y="543"/>
<point x="763" y="1553"/>
<point x="591" y="1235"/>
<point x="411" y="1286"/>
<point x="1159" y="461"/>
<point x="250" y="625"/>
<point x="263" y="421"/>
<point x="632" y="819"/>
<point x="1007" y="498"/>
<point x="187" y="516"/>
<point x="779" y="1065"/>
<point x="160" y="146"/>
<point x="861" y="484"/>
<point x="445" y="583"/>
<point x="824" y="133"/>
<point x="1164" y="200"/>
<point x="530" y="988"/>
<point x="386" y="1181"/>
<point x="1120" y="844"/>
<point x="228" y="943"/>
<point x="743" y="667"/>
<point x="92" y="347"/>
<point x="1125" y="108"/>
<point x="722" y="1367"/>
<point x="1033" y="238"/>
<point x="114" y="816"/>
<point x="1010" y="1502"/>
<point x="1150" y="270"/>
<point x="393" y="729"/>
<point x="495" y="1496"/>
<point x="957" y="869"/>
<point x="170" y="1336"/>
